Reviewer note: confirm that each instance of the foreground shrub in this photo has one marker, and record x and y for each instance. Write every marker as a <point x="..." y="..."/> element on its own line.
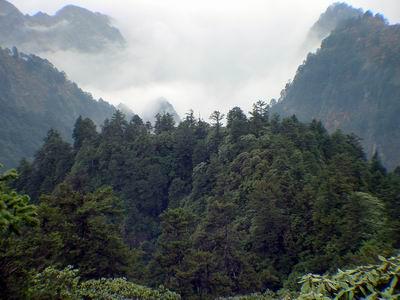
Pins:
<point x="66" y="284"/>
<point x="365" y="282"/>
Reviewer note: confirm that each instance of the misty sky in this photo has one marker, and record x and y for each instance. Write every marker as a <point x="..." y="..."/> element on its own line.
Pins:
<point x="203" y="55"/>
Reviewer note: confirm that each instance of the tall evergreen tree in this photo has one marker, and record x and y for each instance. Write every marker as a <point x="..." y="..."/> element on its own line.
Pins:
<point x="173" y="247"/>
<point x="51" y="164"/>
<point x="164" y="123"/>
<point x="84" y="129"/>
<point x="89" y="230"/>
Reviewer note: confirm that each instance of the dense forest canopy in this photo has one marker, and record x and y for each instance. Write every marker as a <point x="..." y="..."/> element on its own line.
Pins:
<point x="297" y="200"/>
<point x="203" y="209"/>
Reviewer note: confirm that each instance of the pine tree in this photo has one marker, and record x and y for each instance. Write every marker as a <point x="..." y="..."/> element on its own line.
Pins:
<point x="15" y="209"/>
<point x="90" y="230"/>
<point x="173" y="247"/>
<point x="84" y="129"/>
<point x="237" y="123"/>
<point x="259" y="117"/>
<point x="51" y="164"/>
<point x="228" y="271"/>
<point x="16" y="214"/>
<point x="164" y="123"/>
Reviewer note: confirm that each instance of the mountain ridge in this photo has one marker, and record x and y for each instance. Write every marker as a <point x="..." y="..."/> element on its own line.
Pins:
<point x="352" y="83"/>
<point x="70" y="28"/>
<point x="35" y="97"/>
<point x="335" y="15"/>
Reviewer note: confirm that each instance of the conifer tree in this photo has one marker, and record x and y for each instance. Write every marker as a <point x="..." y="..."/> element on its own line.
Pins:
<point x="173" y="247"/>
<point x="84" y="129"/>
<point x="50" y="166"/>
<point x="89" y="227"/>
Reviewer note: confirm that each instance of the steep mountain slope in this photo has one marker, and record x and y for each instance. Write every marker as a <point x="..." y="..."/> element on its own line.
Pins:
<point x="335" y="15"/>
<point x="353" y="83"/>
<point x="71" y="28"/>
<point x="34" y="97"/>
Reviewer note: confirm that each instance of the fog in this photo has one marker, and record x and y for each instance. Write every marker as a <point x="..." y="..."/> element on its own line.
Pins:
<point x="201" y="55"/>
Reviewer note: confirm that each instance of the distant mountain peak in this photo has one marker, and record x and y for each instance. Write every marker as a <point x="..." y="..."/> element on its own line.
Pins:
<point x="72" y="27"/>
<point x="73" y="11"/>
<point x="161" y="106"/>
<point x="70" y="8"/>
<point x="335" y="15"/>
<point x="7" y="8"/>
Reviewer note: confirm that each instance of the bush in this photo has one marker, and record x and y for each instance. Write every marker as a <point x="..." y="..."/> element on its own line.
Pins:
<point x="66" y="284"/>
<point x="371" y="282"/>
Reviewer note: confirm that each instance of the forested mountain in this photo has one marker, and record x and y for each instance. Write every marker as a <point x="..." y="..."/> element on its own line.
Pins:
<point x="204" y="209"/>
<point x="71" y="28"/>
<point x="336" y="15"/>
<point x="353" y="83"/>
<point x="34" y="97"/>
<point x="268" y="203"/>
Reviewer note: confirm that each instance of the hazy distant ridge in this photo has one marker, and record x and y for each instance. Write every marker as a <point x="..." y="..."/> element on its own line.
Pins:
<point x="34" y="97"/>
<point x="71" y="28"/>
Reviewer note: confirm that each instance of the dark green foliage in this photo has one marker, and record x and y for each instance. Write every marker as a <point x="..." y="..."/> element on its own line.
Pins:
<point x="16" y="213"/>
<point x="174" y="244"/>
<point x="49" y="168"/>
<point x="89" y="228"/>
<point x="209" y="210"/>
<point x="66" y="284"/>
<point x="219" y="241"/>
<point x="84" y="129"/>
<point x="15" y="209"/>
<point x="84" y="230"/>
<point x="353" y="83"/>
<point x="164" y="123"/>
<point x="259" y="117"/>
<point x="237" y="123"/>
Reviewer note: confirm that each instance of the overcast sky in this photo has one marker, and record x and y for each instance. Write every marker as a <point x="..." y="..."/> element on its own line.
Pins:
<point x="204" y="55"/>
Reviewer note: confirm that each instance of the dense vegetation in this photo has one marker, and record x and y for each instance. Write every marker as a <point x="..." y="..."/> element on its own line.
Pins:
<point x="203" y="209"/>
<point x="371" y="282"/>
<point x="16" y="213"/>
<point x="379" y="281"/>
<point x="34" y="98"/>
<point x="353" y="83"/>
<point x="66" y="284"/>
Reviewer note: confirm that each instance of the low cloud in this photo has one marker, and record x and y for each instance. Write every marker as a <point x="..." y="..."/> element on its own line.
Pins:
<point x="201" y="55"/>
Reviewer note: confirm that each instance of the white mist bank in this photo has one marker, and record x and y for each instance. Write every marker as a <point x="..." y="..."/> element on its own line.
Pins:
<point x="199" y="55"/>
